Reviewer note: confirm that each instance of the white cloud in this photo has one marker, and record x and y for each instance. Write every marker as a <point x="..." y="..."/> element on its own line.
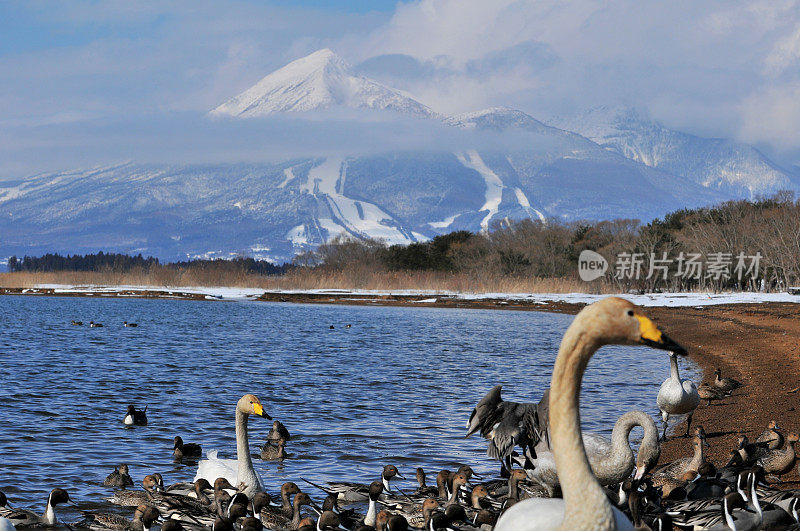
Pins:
<point x="699" y="65"/>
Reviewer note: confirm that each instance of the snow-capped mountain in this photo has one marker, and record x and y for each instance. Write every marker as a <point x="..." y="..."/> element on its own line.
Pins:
<point x="318" y="81"/>
<point x="715" y="163"/>
<point x="602" y="165"/>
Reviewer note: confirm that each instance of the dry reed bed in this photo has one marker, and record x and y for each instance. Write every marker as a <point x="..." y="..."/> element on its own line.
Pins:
<point x="307" y="280"/>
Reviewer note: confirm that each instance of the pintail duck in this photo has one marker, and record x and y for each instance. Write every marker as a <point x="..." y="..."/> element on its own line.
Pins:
<point x="355" y="492"/>
<point x="182" y="450"/>
<point x="419" y="516"/>
<point x="375" y="491"/>
<point x="191" y="510"/>
<point x="584" y="506"/>
<point x="328" y="521"/>
<point x="133" y="498"/>
<point x="24" y="518"/>
<point x="277" y="520"/>
<point x="239" y="471"/>
<point x="751" y="452"/>
<point x="92" y="324"/>
<point x="708" y="393"/>
<point x="135" y="417"/>
<point x="143" y="518"/>
<point x="726" y="384"/>
<point x="771" y="436"/>
<point x="119" y="478"/>
<point x="274" y="451"/>
<point x="288" y="490"/>
<point x="250" y="523"/>
<point x="507" y="425"/>
<point x="76" y="323"/>
<point x="677" y="396"/>
<point x="677" y="468"/>
<point x="126" y="324"/>
<point x="460" y="481"/>
<point x="781" y="461"/>
<point x="278" y="431"/>
<point x="423" y="490"/>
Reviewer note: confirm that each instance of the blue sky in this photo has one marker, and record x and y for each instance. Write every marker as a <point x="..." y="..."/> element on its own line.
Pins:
<point x="728" y="69"/>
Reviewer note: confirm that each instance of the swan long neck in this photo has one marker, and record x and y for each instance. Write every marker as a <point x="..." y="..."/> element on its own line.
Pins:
<point x="673" y="368"/>
<point x="586" y="506"/>
<point x="243" y="447"/>
<point x="621" y="434"/>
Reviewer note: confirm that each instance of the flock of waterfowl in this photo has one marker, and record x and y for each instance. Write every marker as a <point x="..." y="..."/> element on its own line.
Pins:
<point x="552" y="475"/>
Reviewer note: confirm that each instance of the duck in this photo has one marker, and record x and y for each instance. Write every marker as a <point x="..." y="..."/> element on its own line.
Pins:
<point x="182" y="450"/>
<point x="771" y="436"/>
<point x="126" y="324"/>
<point x="191" y="510"/>
<point x="143" y="518"/>
<point x="460" y="480"/>
<point x="92" y="324"/>
<point x="423" y="490"/>
<point x="276" y="520"/>
<point x="133" y="498"/>
<point x="76" y="323"/>
<point x="135" y="417"/>
<point x="288" y="490"/>
<point x="375" y="491"/>
<point x="119" y="478"/>
<point x="507" y="425"/>
<point x="781" y="461"/>
<point x="612" y="460"/>
<point x="20" y="518"/>
<point x="358" y="492"/>
<point x="278" y="431"/>
<point x="609" y="321"/>
<point x="708" y="393"/>
<point x="239" y="471"/>
<point x="677" y="396"/>
<point x="677" y="468"/>
<point x="725" y="384"/>
<point x="274" y="451"/>
<point x="751" y="452"/>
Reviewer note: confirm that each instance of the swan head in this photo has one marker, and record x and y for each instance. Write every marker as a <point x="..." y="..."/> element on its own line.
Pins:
<point x="251" y="405"/>
<point x="616" y="321"/>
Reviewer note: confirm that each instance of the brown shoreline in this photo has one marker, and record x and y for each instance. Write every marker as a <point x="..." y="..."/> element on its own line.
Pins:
<point x="758" y="344"/>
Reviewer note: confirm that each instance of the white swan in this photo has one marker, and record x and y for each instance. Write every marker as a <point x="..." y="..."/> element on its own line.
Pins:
<point x="585" y="506"/>
<point x="676" y="396"/>
<point x="611" y="459"/>
<point x="239" y="472"/>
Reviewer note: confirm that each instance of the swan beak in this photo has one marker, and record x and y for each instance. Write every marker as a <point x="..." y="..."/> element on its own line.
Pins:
<point x="653" y="337"/>
<point x="258" y="409"/>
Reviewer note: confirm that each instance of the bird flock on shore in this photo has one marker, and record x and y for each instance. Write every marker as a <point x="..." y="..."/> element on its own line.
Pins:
<point x="551" y="474"/>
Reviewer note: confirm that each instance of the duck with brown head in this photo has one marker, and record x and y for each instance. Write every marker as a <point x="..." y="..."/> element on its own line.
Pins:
<point x="239" y="472"/>
<point x="585" y="505"/>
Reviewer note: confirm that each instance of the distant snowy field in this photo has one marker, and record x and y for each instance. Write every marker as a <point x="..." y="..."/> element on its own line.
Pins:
<point x="652" y="299"/>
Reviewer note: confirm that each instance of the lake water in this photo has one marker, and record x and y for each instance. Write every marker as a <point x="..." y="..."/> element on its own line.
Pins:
<point x="397" y="387"/>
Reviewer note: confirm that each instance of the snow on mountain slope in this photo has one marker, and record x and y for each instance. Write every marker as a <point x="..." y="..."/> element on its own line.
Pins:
<point x="720" y="164"/>
<point x="318" y="81"/>
<point x="494" y="186"/>
<point x="347" y="216"/>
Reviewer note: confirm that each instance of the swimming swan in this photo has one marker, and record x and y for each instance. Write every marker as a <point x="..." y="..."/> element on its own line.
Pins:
<point x="676" y="396"/>
<point x="585" y="506"/>
<point x="239" y="472"/>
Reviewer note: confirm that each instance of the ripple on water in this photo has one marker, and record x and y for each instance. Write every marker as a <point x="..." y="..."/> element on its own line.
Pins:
<point x="396" y="387"/>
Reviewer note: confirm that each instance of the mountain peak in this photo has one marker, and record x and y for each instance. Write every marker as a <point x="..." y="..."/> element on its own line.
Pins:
<point x="319" y="80"/>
